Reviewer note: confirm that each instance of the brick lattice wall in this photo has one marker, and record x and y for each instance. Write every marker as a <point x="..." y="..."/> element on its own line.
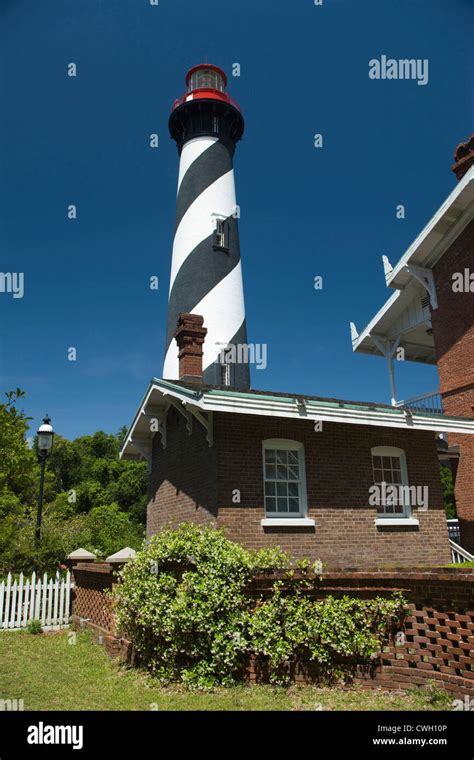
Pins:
<point x="438" y="630"/>
<point x="90" y="601"/>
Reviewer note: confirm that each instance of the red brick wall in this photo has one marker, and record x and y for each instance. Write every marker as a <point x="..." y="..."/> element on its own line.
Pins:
<point x="182" y="485"/>
<point x="190" y="479"/>
<point x="453" y="333"/>
<point x="338" y="477"/>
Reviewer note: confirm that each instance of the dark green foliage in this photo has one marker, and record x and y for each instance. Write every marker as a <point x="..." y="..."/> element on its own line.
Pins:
<point x="103" y="531"/>
<point x="448" y="491"/>
<point x="91" y="498"/>
<point x="18" y="465"/>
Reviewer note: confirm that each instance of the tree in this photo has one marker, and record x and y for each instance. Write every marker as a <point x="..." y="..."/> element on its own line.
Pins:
<point x="448" y="491"/>
<point x="91" y="467"/>
<point x="18" y="462"/>
<point x="129" y="489"/>
<point x="58" y="538"/>
<point x="91" y="497"/>
<point x="111" y="530"/>
<point x="64" y="462"/>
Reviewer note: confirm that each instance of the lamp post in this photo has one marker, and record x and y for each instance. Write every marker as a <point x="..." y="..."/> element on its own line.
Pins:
<point x="45" y="444"/>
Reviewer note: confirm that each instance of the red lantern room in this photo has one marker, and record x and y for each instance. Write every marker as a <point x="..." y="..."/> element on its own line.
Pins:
<point x="206" y="82"/>
<point x="206" y="108"/>
<point x="206" y="76"/>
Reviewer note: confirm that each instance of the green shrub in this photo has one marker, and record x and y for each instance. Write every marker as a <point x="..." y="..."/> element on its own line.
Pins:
<point x="184" y="602"/>
<point x="336" y="633"/>
<point x="34" y="626"/>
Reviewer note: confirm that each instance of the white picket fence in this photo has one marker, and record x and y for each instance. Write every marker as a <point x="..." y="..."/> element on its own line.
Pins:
<point x="43" y="599"/>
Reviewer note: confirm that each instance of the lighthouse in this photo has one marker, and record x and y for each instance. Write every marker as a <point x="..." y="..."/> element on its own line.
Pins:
<point x="206" y="275"/>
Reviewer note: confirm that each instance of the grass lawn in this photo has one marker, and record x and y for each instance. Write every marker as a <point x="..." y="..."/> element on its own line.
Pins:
<point x="48" y="673"/>
<point x="462" y="564"/>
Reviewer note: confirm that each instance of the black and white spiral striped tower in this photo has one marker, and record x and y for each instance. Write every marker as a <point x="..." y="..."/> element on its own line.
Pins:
<point x="206" y="275"/>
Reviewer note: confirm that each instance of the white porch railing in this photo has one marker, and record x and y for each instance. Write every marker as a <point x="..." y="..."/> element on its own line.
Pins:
<point x="425" y="403"/>
<point x="458" y="554"/>
<point x="47" y="600"/>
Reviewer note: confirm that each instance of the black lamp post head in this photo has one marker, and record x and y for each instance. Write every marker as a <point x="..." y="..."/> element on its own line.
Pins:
<point x="45" y="443"/>
<point x="45" y="436"/>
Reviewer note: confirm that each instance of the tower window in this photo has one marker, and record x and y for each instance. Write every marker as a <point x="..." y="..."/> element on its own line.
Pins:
<point x="225" y="366"/>
<point x="225" y="374"/>
<point x="220" y="233"/>
<point x="215" y="124"/>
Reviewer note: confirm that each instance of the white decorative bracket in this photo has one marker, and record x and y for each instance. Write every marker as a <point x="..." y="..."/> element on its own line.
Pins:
<point x="162" y="429"/>
<point x="426" y="278"/>
<point x="206" y="422"/>
<point x="387" y="267"/>
<point x="181" y="408"/>
<point x="354" y="333"/>
<point x="158" y="416"/>
<point x="386" y="346"/>
<point x="144" y="447"/>
<point x="301" y="406"/>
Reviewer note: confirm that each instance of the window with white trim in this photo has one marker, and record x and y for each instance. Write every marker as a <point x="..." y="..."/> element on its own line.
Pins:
<point x="225" y="371"/>
<point x="390" y="475"/>
<point x="220" y="233"/>
<point x="284" y="478"/>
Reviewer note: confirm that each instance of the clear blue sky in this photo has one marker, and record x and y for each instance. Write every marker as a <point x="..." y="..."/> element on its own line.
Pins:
<point x="305" y="212"/>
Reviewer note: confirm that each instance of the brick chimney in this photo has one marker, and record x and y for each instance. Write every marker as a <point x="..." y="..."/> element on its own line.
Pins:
<point x="190" y="334"/>
<point x="464" y="157"/>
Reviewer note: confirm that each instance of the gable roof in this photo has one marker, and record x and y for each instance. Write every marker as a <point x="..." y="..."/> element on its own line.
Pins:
<point x="403" y="313"/>
<point x="201" y="401"/>
<point x="441" y="231"/>
<point x="402" y="316"/>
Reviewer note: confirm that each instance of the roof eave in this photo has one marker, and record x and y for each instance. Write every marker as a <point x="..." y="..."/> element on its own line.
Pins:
<point x="455" y="212"/>
<point x="289" y="407"/>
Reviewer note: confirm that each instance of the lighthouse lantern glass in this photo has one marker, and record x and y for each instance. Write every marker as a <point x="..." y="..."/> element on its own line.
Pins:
<point x="207" y="78"/>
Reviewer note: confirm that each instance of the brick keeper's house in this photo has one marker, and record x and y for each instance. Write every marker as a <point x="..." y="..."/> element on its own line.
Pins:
<point x="430" y="317"/>
<point x="298" y="471"/>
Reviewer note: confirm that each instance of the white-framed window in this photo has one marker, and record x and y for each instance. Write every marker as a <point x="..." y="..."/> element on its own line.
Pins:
<point x="390" y="475"/>
<point x="220" y="233"/>
<point x="284" y="478"/>
<point x="225" y="373"/>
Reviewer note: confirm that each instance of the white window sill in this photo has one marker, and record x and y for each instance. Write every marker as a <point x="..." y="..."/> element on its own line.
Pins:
<point x="381" y="521"/>
<point x="299" y="522"/>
